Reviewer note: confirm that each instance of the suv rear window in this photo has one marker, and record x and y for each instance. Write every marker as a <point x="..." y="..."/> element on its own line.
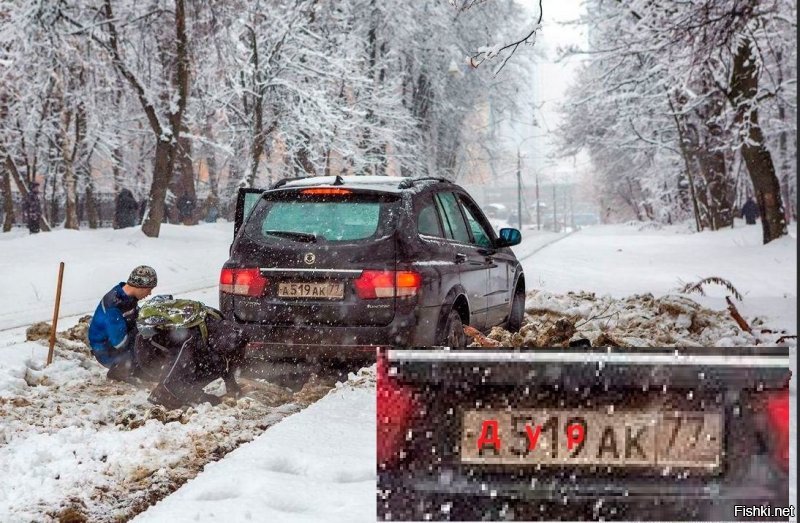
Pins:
<point x="314" y="218"/>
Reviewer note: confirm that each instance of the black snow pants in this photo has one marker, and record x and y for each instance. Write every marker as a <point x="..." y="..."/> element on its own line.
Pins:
<point x="183" y="361"/>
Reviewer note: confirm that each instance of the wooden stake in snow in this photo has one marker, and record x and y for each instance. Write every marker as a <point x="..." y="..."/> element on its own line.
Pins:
<point x="55" y="313"/>
<point x="736" y="316"/>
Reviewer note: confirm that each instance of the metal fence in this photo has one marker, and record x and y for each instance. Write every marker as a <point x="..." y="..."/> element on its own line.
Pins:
<point x="105" y="204"/>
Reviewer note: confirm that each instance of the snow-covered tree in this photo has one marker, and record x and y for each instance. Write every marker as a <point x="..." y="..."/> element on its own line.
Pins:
<point x="679" y="89"/>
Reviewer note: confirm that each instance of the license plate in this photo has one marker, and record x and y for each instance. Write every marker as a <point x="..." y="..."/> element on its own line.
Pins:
<point x="325" y="290"/>
<point x="681" y="439"/>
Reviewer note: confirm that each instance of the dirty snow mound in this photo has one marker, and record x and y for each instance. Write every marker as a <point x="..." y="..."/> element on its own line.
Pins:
<point x="641" y="320"/>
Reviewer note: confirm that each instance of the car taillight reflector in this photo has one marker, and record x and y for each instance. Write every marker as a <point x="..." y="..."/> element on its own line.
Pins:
<point x="242" y="282"/>
<point x="395" y="405"/>
<point x="387" y="284"/>
<point x="777" y="410"/>
<point x="326" y="192"/>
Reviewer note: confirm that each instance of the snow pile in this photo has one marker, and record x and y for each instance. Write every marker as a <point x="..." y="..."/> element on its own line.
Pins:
<point x="78" y="445"/>
<point x="641" y="320"/>
<point x="317" y="465"/>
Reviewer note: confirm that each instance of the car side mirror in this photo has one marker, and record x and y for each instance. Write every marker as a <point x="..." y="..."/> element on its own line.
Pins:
<point x="509" y="237"/>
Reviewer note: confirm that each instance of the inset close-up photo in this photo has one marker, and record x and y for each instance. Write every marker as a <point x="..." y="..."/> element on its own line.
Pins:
<point x="544" y="434"/>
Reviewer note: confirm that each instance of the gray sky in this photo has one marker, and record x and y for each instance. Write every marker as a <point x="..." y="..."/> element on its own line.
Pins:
<point x="551" y="80"/>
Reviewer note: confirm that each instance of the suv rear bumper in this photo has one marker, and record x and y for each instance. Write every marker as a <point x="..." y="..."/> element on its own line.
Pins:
<point x="636" y="499"/>
<point x="344" y="343"/>
<point x="413" y="327"/>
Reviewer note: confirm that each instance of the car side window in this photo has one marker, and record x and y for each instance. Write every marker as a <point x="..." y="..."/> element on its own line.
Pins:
<point x="454" y="225"/>
<point x="428" y="221"/>
<point x="479" y="232"/>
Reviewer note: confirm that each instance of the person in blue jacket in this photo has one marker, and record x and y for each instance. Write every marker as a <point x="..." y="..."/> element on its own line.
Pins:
<point x="112" y="332"/>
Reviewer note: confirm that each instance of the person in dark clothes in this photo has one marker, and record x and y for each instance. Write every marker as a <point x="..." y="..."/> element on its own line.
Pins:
<point x="184" y="359"/>
<point x="32" y="208"/>
<point x="212" y="210"/>
<point x="750" y="211"/>
<point x="112" y="331"/>
<point x="126" y="210"/>
<point x="185" y="208"/>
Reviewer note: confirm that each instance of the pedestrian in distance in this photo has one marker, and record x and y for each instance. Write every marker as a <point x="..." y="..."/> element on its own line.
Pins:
<point x="212" y="210"/>
<point x="126" y="210"/>
<point x="750" y="211"/>
<point x="32" y="208"/>
<point x="112" y="331"/>
<point x="185" y="206"/>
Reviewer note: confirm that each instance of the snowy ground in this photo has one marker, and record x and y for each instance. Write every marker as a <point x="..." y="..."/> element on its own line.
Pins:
<point x="621" y="260"/>
<point x="318" y="465"/>
<point x="71" y="441"/>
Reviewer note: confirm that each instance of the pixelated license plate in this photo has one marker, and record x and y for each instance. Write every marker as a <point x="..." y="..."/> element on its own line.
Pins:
<point x="680" y="439"/>
<point x="324" y="290"/>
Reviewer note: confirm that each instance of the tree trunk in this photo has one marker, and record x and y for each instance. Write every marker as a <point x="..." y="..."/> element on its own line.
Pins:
<point x="162" y="168"/>
<point x="683" y="141"/>
<point x="91" y="205"/>
<point x="21" y="186"/>
<point x="69" y="180"/>
<point x="757" y="158"/>
<point x="303" y="161"/>
<point x="8" y="203"/>
<point x="55" y="213"/>
<point x="259" y="138"/>
<point x="166" y="138"/>
<point x="712" y="161"/>
<point x="213" y="174"/>
<point x="183" y="184"/>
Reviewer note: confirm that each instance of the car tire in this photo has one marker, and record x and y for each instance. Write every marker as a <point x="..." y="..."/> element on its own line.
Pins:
<point x="517" y="314"/>
<point x="453" y="333"/>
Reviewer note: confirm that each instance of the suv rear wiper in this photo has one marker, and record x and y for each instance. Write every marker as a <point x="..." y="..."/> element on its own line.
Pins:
<point x="299" y="236"/>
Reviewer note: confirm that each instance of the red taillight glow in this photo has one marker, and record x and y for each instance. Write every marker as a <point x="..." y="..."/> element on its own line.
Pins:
<point x="777" y="410"/>
<point x="326" y="192"/>
<point x="242" y="282"/>
<point x="395" y="406"/>
<point x="387" y="284"/>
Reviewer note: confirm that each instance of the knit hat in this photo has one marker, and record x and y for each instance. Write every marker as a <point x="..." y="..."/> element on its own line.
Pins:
<point x="143" y="277"/>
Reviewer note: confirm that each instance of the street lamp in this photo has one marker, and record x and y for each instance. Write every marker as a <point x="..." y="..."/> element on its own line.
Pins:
<point x="538" y="214"/>
<point x="519" y="181"/>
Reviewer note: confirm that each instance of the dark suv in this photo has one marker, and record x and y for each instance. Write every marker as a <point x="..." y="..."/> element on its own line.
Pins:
<point x="322" y="264"/>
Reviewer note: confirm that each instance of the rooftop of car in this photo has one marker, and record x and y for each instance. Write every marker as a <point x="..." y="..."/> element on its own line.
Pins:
<point x="379" y="183"/>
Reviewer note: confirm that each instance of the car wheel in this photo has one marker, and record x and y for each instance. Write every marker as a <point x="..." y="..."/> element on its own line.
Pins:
<point x="517" y="313"/>
<point x="453" y="333"/>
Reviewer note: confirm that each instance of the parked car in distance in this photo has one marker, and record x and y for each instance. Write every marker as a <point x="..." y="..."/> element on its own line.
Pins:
<point x="496" y="211"/>
<point x="329" y="267"/>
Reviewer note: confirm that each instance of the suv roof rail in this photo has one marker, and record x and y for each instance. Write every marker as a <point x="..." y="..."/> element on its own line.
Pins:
<point x="280" y="183"/>
<point x="284" y="181"/>
<point x="409" y="182"/>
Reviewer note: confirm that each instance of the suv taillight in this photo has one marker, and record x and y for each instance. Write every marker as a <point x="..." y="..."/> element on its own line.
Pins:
<point x="387" y="284"/>
<point x="776" y="409"/>
<point x="395" y="406"/>
<point x="242" y="282"/>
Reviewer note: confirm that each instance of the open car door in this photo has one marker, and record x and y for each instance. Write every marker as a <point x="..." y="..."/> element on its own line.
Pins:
<point x="245" y="202"/>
